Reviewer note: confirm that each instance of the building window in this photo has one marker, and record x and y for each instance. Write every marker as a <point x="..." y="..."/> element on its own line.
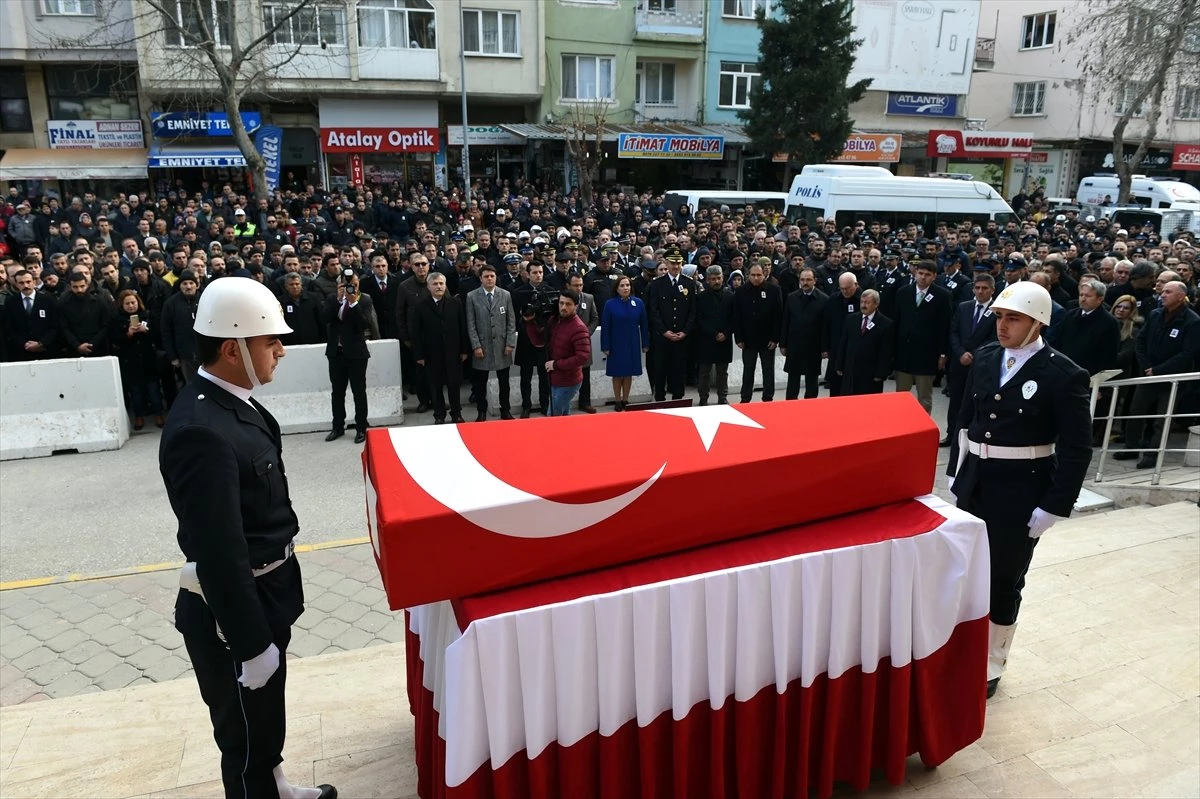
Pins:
<point x="491" y="33"/>
<point x="737" y="81"/>
<point x="1187" y="102"/>
<point x="312" y="24"/>
<point x="72" y="8"/>
<point x="14" y="102"/>
<point x="406" y="24"/>
<point x="1029" y="99"/>
<point x="1129" y="95"/>
<point x="190" y="23"/>
<point x="107" y="91"/>
<point x="655" y="83"/>
<point x="661" y="6"/>
<point x="587" y="77"/>
<point x="1140" y="28"/>
<point x="743" y="9"/>
<point x="1037" y="30"/>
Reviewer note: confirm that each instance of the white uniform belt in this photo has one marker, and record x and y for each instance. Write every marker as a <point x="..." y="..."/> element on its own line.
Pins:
<point x="988" y="451"/>
<point x="188" y="580"/>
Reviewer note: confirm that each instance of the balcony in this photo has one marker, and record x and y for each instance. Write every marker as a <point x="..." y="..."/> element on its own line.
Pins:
<point x="985" y="55"/>
<point x="670" y="20"/>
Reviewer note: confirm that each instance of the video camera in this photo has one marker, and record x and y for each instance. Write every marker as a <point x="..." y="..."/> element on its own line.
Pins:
<point x="543" y="303"/>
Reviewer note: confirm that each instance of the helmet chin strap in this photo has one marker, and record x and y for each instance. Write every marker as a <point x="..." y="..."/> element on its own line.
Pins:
<point x="1034" y="330"/>
<point x="248" y="364"/>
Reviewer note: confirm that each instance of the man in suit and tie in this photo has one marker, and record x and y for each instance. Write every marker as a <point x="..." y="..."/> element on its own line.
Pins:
<point x="800" y="339"/>
<point x="922" y="318"/>
<point x="838" y="307"/>
<point x="381" y="288"/>
<point x="492" y="334"/>
<point x="973" y="326"/>
<point x="438" y="330"/>
<point x="589" y="314"/>
<point x="864" y="357"/>
<point x="30" y="321"/>
<point x="347" y="316"/>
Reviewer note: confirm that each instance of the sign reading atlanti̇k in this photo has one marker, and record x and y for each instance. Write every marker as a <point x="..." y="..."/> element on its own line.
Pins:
<point x="379" y="140"/>
<point x="978" y="144"/>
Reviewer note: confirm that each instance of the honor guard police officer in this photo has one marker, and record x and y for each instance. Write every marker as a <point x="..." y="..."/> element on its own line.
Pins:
<point x="1023" y="448"/>
<point x="240" y="591"/>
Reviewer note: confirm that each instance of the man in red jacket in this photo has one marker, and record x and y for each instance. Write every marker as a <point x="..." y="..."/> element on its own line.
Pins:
<point x="569" y="348"/>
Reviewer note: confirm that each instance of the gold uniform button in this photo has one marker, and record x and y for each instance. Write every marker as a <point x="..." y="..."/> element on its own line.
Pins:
<point x="987" y="435"/>
<point x="992" y="415"/>
<point x="997" y="397"/>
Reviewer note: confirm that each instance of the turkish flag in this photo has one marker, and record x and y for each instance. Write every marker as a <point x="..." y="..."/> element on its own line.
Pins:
<point x="458" y="510"/>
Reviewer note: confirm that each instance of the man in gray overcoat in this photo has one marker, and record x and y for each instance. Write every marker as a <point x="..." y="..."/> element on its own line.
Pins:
<point x="492" y="333"/>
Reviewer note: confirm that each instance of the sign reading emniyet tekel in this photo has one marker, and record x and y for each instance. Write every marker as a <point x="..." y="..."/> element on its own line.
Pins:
<point x="978" y="144"/>
<point x="379" y="140"/>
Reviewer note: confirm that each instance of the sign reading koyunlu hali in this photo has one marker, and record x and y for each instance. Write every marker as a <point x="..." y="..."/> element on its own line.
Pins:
<point x="669" y="145"/>
<point x="977" y="144"/>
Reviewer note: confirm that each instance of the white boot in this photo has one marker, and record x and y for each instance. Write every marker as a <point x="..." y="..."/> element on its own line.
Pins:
<point x="1000" y="639"/>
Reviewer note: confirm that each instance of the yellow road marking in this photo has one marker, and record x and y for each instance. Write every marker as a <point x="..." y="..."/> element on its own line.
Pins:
<point x="148" y="568"/>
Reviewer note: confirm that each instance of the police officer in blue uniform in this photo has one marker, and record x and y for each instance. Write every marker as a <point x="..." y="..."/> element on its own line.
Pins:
<point x="240" y="591"/>
<point x="1023" y="448"/>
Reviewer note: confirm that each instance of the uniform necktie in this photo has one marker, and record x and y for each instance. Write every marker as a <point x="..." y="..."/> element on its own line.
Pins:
<point x="863" y="329"/>
<point x="29" y="305"/>
<point x="978" y="314"/>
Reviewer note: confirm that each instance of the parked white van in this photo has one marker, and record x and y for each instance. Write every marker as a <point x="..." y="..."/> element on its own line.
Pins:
<point x="713" y="199"/>
<point x="1144" y="191"/>
<point x="871" y="193"/>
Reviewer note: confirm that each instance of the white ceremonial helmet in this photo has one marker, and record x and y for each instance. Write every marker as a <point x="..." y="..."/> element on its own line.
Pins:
<point x="239" y="308"/>
<point x="1028" y="298"/>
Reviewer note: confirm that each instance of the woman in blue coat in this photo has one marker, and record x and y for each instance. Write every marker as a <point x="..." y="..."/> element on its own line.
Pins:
<point x="625" y="338"/>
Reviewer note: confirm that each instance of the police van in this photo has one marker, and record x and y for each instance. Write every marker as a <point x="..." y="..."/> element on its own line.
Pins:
<point x="713" y="199"/>
<point x="850" y="193"/>
<point x="1143" y="191"/>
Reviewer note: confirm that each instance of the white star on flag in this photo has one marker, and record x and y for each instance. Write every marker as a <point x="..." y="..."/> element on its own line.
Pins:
<point x="708" y="419"/>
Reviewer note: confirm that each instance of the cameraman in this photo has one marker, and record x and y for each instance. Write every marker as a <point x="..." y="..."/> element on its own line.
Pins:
<point x="348" y="316"/>
<point x="569" y="350"/>
<point x="535" y="302"/>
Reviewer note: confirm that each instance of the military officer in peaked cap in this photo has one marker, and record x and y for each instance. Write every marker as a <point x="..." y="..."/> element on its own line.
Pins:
<point x="1023" y="448"/>
<point x="671" y="302"/>
<point x="240" y="591"/>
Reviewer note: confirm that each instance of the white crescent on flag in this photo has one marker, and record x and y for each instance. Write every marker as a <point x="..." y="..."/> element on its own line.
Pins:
<point x="439" y="462"/>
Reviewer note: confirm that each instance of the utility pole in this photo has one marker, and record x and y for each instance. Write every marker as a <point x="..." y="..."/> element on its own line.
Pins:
<point x="462" y="82"/>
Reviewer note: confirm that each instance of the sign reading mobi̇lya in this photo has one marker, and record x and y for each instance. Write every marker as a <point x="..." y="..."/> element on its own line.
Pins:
<point x="669" y="145"/>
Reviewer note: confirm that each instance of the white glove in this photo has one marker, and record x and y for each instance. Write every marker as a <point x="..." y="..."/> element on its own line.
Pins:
<point x="1041" y="521"/>
<point x="949" y="483"/>
<point x="258" y="670"/>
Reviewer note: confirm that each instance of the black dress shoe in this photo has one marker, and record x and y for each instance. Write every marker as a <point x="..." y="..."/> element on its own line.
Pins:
<point x="439" y="421"/>
<point x="1124" y="455"/>
<point x="506" y="415"/>
<point x="481" y="416"/>
<point x="1147" y="462"/>
<point x="992" y="686"/>
<point x="334" y="435"/>
<point x="458" y="420"/>
<point x="945" y="442"/>
<point x="360" y="436"/>
<point x="525" y="413"/>
<point x="327" y="792"/>
<point x="424" y="408"/>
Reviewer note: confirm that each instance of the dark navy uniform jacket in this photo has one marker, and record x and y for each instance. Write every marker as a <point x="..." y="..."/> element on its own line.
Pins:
<point x="220" y="460"/>
<point x="1046" y="402"/>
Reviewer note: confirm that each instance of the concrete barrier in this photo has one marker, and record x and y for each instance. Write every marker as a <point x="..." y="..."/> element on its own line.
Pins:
<point x="298" y="397"/>
<point x="62" y="404"/>
<point x="602" y="393"/>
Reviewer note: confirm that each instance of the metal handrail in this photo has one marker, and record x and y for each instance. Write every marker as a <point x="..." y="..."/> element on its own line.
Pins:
<point x="1101" y="380"/>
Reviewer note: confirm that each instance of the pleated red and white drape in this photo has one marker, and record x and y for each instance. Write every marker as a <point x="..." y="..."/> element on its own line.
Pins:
<point x="757" y="668"/>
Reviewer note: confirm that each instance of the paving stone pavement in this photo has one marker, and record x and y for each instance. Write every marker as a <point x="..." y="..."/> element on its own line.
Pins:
<point x="98" y="635"/>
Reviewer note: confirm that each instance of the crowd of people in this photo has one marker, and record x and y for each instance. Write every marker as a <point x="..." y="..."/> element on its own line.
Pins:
<point x="520" y="276"/>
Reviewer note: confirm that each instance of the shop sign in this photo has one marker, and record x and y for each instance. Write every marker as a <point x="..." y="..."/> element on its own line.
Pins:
<point x="356" y="170"/>
<point x="171" y="124"/>
<point x="662" y="145"/>
<point x="379" y="140"/>
<point x="906" y="104"/>
<point x="482" y="135"/>
<point x="95" y="134"/>
<point x="269" y="142"/>
<point x="978" y="144"/>
<point x="213" y="160"/>
<point x="870" y="148"/>
<point x="1186" y="157"/>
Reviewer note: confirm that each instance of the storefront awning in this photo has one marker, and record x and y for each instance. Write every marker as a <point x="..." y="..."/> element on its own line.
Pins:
<point x="167" y="156"/>
<point x="733" y="134"/>
<point x="115" y="164"/>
